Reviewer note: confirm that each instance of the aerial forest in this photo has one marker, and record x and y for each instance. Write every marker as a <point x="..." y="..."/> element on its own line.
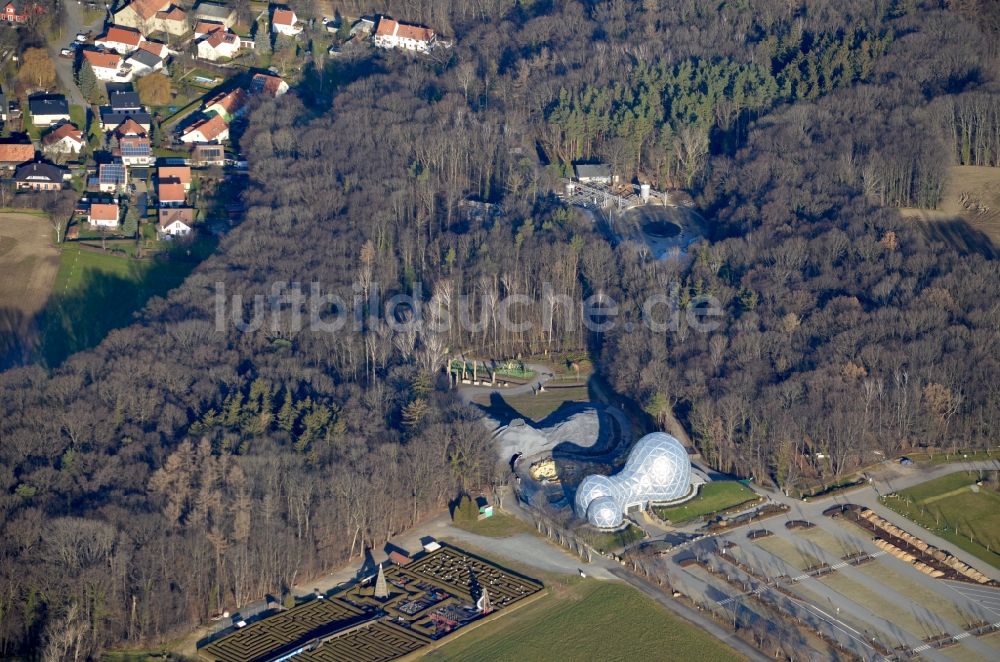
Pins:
<point x="184" y="467"/>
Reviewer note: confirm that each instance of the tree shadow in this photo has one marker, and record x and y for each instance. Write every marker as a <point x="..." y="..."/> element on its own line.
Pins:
<point x="81" y="317"/>
<point x="962" y="236"/>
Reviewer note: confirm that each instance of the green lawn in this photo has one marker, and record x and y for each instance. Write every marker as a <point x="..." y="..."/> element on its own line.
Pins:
<point x="713" y="497"/>
<point x="78" y="115"/>
<point x="950" y="508"/>
<point x="587" y="621"/>
<point x="501" y="525"/>
<point x="611" y="541"/>
<point x="95" y="292"/>
<point x="537" y="407"/>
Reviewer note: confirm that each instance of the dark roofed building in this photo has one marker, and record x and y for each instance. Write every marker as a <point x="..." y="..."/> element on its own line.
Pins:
<point x="111" y="119"/>
<point x="38" y="176"/>
<point x="122" y="101"/>
<point x="47" y="109"/>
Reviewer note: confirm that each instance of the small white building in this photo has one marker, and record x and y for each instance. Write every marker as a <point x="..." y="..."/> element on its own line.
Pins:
<point x="176" y="222"/>
<point x="215" y="129"/>
<point x="64" y="139"/>
<point x="107" y="66"/>
<point x="285" y="22"/>
<point x="119" y="39"/>
<point x="103" y="215"/>
<point x="219" y="45"/>
<point x="393" y="34"/>
<point x="594" y="173"/>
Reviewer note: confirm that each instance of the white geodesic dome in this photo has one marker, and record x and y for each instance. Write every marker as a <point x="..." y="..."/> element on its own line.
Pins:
<point x="658" y="469"/>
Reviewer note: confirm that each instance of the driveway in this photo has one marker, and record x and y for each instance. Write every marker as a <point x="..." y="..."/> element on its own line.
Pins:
<point x="72" y="25"/>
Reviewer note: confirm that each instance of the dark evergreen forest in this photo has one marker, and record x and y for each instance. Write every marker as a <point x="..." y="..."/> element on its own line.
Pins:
<point x="177" y="469"/>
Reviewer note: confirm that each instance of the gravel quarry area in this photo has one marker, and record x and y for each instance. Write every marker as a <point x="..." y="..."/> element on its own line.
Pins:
<point x="584" y="426"/>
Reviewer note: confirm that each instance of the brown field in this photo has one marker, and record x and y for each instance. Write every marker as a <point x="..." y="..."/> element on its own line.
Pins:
<point x="28" y="265"/>
<point x="969" y="216"/>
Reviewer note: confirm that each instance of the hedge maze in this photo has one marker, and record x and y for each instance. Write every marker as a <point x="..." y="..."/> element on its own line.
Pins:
<point x="427" y="600"/>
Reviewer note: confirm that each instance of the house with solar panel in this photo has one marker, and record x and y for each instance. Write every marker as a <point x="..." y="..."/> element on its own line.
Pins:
<point x="135" y="151"/>
<point x="112" y="177"/>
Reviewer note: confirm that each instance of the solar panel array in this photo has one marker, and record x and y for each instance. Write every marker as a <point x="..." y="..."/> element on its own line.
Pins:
<point x="135" y="147"/>
<point x="112" y="173"/>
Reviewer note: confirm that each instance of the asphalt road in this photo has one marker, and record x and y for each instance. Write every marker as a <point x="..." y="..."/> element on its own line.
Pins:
<point x="73" y="24"/>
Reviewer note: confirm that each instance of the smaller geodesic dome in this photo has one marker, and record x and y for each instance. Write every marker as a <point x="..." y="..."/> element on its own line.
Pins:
<point x="657" y="469"/>
<point x="604" y="512"/>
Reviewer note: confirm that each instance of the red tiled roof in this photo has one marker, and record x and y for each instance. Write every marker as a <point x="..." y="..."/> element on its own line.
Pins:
<point x="229" y="101"/>
<point x="122" y="36"/>
<point x="172" y="14"/>
<point x="170" y="191"/>
<point x="66" y="130"/>
<point x="206" y="27"/>
<point x="103" y="212"/>
<point x="210" y="128"/>
<point x="265" y="83"/>
<point x="154" y="47"/>
<point x="130" y="127"/>
<point x="169" y="173"/>
<point x="146" y="9"/>
<point x="284" y="17"/>
<point x="387" y="27"/>
<point x="103" y="60"/>
<point x="217" y="38"/>
<point x="183" y="214"/>
<point x="16" y="152"/>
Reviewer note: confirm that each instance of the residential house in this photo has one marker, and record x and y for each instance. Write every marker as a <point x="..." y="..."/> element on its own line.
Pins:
<point x="393" y="34"/>
<point x="173" y="21"/>
<point x="107" y="66"/>
<point x="211" y="130"/>
<point x="119" y="39"/>
<point x="48" y="109"/>
<point x="208" y="155"/>
<point x="267" y="84"/>
<point x="203" y="28"/>
<point x="102" y="215"/>
<point x="112" y="177"/>
<point x="227" y="104"/>
<point x="110" y="120"/>
<point x="175" y="175"/>
<point x="14" y="154"/>
<point x="176" y="221"/>
<point x="38" y="176"/>
<point x="124" y="101"/>
<point x="171" y="194"/>
<point x="64" y="139"/>
<point x="135" y="151"/>
<point x="19" y="11"/>
<point x="285" y="22"/>
<point x="219" y="13"/>
<point x="142" y="15"/>
<point x="130" y="128"/>
<point x="219" y="45"/>
<point x="143" y="62"/>
<point x="157" y="48"/>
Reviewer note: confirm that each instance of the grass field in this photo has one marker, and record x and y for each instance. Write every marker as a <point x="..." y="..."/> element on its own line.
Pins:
<point x="28" y="262"/>
<point x="95" y="292"/>
<point x="969" y="215"/>
<point x="501" y="525"/>
<point x="796" y="556"/>
<point x="587" y="621"/>
<point x="713" y="497"/>
<point x="834" y="545"/>
<point x="873" y="600"/>
<point x="950" y="508"/>
<point x="882" y="571"/>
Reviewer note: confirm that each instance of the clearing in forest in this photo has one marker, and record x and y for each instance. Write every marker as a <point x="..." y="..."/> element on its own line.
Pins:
<point x="28" y="265"/>
<point x="969" y="214"/>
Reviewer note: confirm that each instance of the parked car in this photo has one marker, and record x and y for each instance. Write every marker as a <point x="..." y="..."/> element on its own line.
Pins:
<point x="81" y="37"/>
<point x="67" y="53"/>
